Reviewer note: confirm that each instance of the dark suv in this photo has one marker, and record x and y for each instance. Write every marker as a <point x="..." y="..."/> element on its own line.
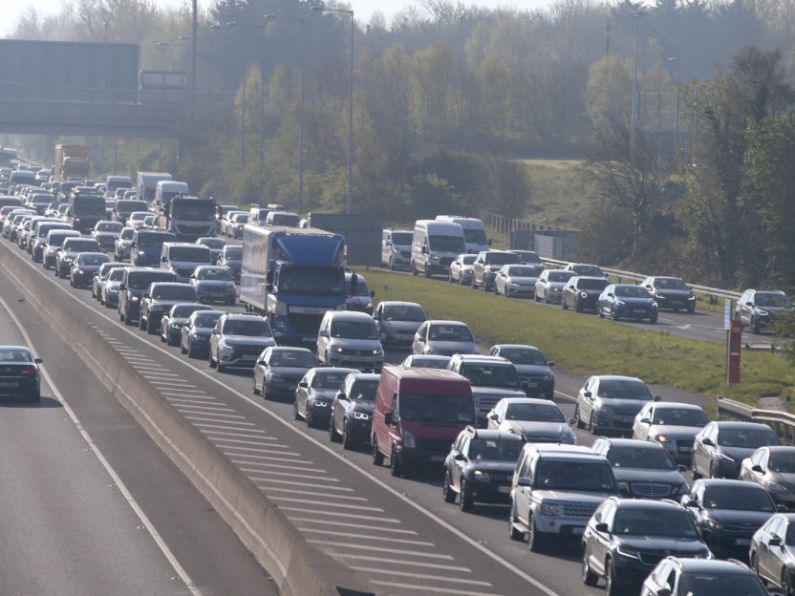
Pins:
<point x="158" y="300"/>
<point x="135" y="282"/>
<point x="626" y="538"/>
<point x="352" y="410"/>
<point x="480" y="466"/>
<point x="582" y="293"/>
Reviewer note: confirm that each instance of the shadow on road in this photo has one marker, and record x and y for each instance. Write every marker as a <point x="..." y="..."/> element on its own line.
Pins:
<point x="45" y="402"/>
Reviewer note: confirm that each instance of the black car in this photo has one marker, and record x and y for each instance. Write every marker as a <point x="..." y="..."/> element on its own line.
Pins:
<point x="231" y="256"/>
<point x="533" y="369"/>
<point x="19" y="373"/>
<point x="698" y="577"/>
<point x="315" y="394"/>
<point x="85" y="266"/>
<point x="644" y="466"/>
<point x="720" y="447"/>
<point x="582" y="293"/>
<point x="480" y="467"/>
<point x="195" y="339"/>
<point x="158" y="300"/>
<point x="352" y="410"/>
<point x="174" y="320"/>
<point x="728" y="513"/>
<point x="626" y="538"/>
<point x="279" y="369"/>
<point x="772" y="552"/>
<point x="67" y="253"/>
<point x="671" y="293"/>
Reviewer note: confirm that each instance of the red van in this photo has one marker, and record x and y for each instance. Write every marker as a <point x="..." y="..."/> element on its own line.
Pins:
<point x="418" y="414"/>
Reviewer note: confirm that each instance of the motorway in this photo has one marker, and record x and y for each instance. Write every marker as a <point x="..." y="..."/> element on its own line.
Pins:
<point x="90" y="505"/>
<point x="396" y="532"/>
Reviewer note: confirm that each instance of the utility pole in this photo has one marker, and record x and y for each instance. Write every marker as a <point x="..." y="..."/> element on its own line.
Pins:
<point x="193" y="41"/>
<point x="633" y="119"/>
<point x="243" y="100"/>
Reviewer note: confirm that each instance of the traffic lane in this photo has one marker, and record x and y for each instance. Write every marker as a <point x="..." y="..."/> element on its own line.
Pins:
<point x="340" y="507"/>
<point x="67" y="529"/>
<point x="205" y="546"/>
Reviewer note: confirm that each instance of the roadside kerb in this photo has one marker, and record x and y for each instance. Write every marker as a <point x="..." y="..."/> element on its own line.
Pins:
<point x="297" y="567"/>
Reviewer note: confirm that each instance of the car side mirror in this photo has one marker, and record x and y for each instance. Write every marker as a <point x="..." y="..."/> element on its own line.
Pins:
<point x="341" y="395"/>
<point x="657" y="398"/>
<point x="372" y="293"/>
<point x="269" y="287"/>
<point x="493" y="416"/>
<point x="758" y="468"/>
<point x="691" y="503"/>
<point x="38" y="360"/>
<point x="781" y="507"/>
<point x="707" y="442"/>
<point x="460" y="457"/>
<point x="623" y="488"/>
<point x="163" y="259"/>
<point x="303" y="384"/>
<point x="749" y="304"/>
<point x="424" y="250"/>
<point x="524" y="482"/>
<point x="389" y="418"/>
<point x="588" y="394"/>
<point x="775" y="541"/>
<point x="645" y="420"/>
<point x="602" y="527"/>
<point x="610" y="295"/>
<point x="216" y="332"/>
<point x="323" y="334"/>
<point x="122" y="287"/>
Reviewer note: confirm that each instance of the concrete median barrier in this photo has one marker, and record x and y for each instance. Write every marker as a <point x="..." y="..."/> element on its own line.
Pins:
<point x="298" y="568"/>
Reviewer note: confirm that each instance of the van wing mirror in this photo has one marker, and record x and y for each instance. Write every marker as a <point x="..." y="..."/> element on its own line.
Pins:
<point x="389" y="418"/>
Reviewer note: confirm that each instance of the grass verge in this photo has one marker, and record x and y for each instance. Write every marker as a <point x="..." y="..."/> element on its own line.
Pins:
<point x="585" y="344"/>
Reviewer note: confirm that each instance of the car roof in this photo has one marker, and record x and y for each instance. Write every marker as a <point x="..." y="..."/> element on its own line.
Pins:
<point x="617" y="378"/>
<point x="243" y="316"/>
<point x="647" y="504"/>
<point x="13" y="347"/>
<point x="497" y="435"/>
<point x="349" y="315"/>
<point x="445" y="322"/>
<point x="332" y="369"/>
<point x="288" y="349"/>
<point x="515" y="347"/>
<point x="528" y="400"/>
<point x="482" y="358"/>
<point x="780" y="448"/>
<point x="634" y="443"/>
<point x="169" y="284"/>
<point x="729" y="483"/>
<point x="710" y="565"/>
<point x="588" y="277"/>
<point x="428" y="357"/>
<point x="360" y="376"/>
<point x="556" y="452"/>
<point x="399" y="303"/>
<point x="740" y="424"/>
<point x="670" y="405"/>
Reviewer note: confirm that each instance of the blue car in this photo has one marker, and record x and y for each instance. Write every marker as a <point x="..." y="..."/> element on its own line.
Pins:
<point x="626" y="301"/>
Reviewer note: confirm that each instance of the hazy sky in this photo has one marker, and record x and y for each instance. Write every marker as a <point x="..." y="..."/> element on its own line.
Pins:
<point x="363" y="8"/>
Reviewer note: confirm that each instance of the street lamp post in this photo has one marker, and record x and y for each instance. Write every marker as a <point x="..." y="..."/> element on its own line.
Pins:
<point x="671" y="61"/>
<point x="348" y="205"/>
<point x="302" y="24"/>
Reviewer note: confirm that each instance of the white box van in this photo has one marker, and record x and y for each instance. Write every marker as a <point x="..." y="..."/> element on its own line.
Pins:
<point x="435" y="245"/>
<point x="165" y="190"/>
<point x="396" y="248"/>
<point x="474" y="231"/>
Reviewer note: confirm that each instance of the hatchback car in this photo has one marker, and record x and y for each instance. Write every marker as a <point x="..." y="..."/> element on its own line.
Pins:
<point x="774" y="469"/>
<point x="534" y="420"/>
<point x="516" y="281"/>
<point x="760" y="309"/>
<point x="315" y="394"/>
<point x="195" y="338"/>
<point x="772" y="552"/>
<point x="627" y="301"/>
<point x="582" y="293"/>
<point x="720" y="447"/>
<point x="444" y="338"/>
<point x="426" y="361"/>
<point x="671" y="293"/>
<point x="692" y="577"/>
<point x="461" y="269"/>
<point x="626" y="538"/>
<point x="237" y="341"/>
<point x="214" y="284"/>
<point x="397" y="322"/>
<point x="101" y="275"/>
<point x="549" y="287"/>
<point x="174" y="320"/>
<point x="609" y="403"/>
<point x="347" y="338"/>
<point x="479" y="467"/>
<point x="673" y="425"/>
<point x="231" y="256"/>
<point x="19" y="373"/>
<point x="535" y="372"/>
<point x="352" y="410"/>
<point x="84" y="267"/>
<point x="279" y="369"/>
<point x="123" y="244"/>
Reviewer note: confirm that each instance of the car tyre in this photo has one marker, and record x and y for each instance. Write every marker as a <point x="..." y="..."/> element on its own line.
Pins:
<point x="395" y="467"/>
<point x="713" y="470"/>
<point x="296" y="415"/>
<point x="347" y="443"/>
<point x="212" y="360"/>
<point x="333" y="435"/>
<point x="513" y="533"/>
<point x="467" y="500"/>
<point x="786" y="582"/>
<point x="589" y="578"/>
<point x="579" y="422"/>
<point x="378" y="457"/>
<point x="448" y="494"/>
<point x="254" y="387"/>
<point x="535" y="541"/>
<point x="219" y="367"/>
<point x="182" y="349"/>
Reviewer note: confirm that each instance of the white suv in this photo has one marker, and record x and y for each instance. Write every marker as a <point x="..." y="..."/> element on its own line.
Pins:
<point x="349" y="338"/>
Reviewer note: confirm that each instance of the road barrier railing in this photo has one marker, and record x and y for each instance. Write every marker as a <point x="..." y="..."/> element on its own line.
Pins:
<point x="783" y="422"/>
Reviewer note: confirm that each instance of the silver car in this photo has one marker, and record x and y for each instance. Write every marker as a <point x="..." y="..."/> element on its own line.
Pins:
<point x="237" y="341"/>
<point x="774" y="468"/>
<point x="349" y="338"/>
<point x="397" y="322"/>
<point x="444" y="338"/>
<point x="535" y="420"/>
<point x="549" y="287"/>
<point x="609" y="403"/>
<point x="461" y="269"/>
<point x="671" y="424"/>
<point x="517" y="280"/>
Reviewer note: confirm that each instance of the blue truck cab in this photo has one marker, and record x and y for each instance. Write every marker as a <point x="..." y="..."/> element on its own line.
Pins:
<point x="147" y="245"/>
<point x="292" y="276"/>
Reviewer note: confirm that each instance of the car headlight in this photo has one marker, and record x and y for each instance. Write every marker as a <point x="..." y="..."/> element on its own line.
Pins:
<point x="134" y="299"/>
<point x="378" y="352"/>
<point x="409" y="442"/>
<point x="361" y="416"/>
<point x="320" y="404"/>
<point x="625" y="552"/>
<point x="662" y="438"/>
<point x="762" y="312"/>
<point x="583" y="295"/>
<point x="79" y="271"/>
<point x="691" y="297"/>
<point x="551" y="509"/>
<point x="679" y="489"/>
<point x="222" y="345"/>
<point x="481" y="475"/>
<point x="141" y="253"/>
<point x="713" y="524"/>
<point x="339" y="349"/>
<point x="369" y="306"/>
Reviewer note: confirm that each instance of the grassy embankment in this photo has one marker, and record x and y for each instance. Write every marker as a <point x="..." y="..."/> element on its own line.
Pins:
<point x="584" y="344"/>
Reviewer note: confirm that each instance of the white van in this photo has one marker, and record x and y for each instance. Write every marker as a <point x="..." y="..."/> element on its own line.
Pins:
<point x="474" y="231"/>
<point x="165" y="190"/>
<point x="396" y="249"/>
<point x="435" y="245"/>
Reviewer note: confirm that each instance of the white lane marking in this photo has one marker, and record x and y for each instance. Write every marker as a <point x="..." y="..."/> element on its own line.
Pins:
<point x="220" y="415"/>
<point x="460" y="534"/>
<point x="381" y="549"/>
<point x="203" y="404"/>
<point x="226" y="427"/>
<point x="263" y="441"/>
<point x="221" y="443"/>
<point x="328" y="522"/>
<point x="309" y="493"/>
<point x="194" y="399"/>
<point x="400" y="562"/>
<point x="338" y="505"/>
<point x="168" y="382"/>
<point x="302" y="463"/>
<point x="289" y="475"/>
<point x="167" y="376"/>
<point x="367" y="536"/>
<point x="126" y="494"/>
<point x="317" y="511"/>
<point x="443" y="578"/>
<point x="186" y="391"/>
<point x="264" y="487"/>
<point x="419" y="589"/>
<point x="209" y="419"/>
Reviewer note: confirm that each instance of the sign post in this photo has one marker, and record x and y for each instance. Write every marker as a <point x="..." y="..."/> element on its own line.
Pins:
<point x="734" y="338"/>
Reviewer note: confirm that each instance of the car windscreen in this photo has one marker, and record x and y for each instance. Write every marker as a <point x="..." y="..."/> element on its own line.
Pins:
<point x="364" y="390"/>
<point x="321" y="281"/>
<point x="560" y="276"/>
<point x="42" y="199"/>
<point x="234" y="253"/>
<point x="92" y="260"/>
<point x="195" y="254"/>
<point x="670" y="283"/>
<point x="523" y="271"/>
<point x="185" y="310"/>
<point x="574" y="475"/>
<point x="680" y="417"/>
<point x="81" y="246"/>
<point x="491" y="375"/>
<point x="193" y="210"/>
<point x="127" y="234"/>
<point x="58" y="239"/>
<point x="623" y="389"/>
<point x="738" y="498"/>
<point x="772" y="299"/>
<point x="469" y="259"/>
<point x="44" y="229"/>
<point x="328" y="379"/>
<point x="178" y="292"/>
<point x="354" y="329"/>
<point x="474" y="236"/>
<point x="402" y="238"/>
<point x="403" y="312"/>
<point x="153" y="239"/>
<point x="108" y="226"/>
<point x="534" y="412"/>
<point x="140" y="280"/>
<point x="495" y="450"/>
<point x="634" y="521"/>
<point x="139" y="215"/>
<point x="632" y="457"/>
<point x="631" y="292"/>
<point x="436" y="409"/>
<point x="443" y="332"/>
<point x="240" y="219"/>
<point x="206" y="320"/>
<point x="420" y="362"/>
<point x="292" y="358"/>
<point x="592" y="284"/>
<point x="116" y="274"/>
<point x="89" y="205"/>
<point x="15" y="355"/>
<point x="219" y="274"/>
<point x="501" y="258"/>
<point x="588" y="270"/>
<point x="212" y="242"/>
<point x="782" y="462"/>
<point x="721" y="584"/>
<point x="524" y="356"/>
<point x="252" y="327"/>
<point x="357" y="287"/>
<point x="446" y="243"/>
<point x="746" y="437"/>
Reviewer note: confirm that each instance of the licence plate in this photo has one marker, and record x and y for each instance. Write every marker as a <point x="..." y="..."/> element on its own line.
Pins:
<point x="742" y="541"/>
<point x="685" y="449"/>
<point x="531" y="385"/>
<point x="308" y="310"/>
<point x="639" y="311"/>
<point x="504" y="489"/>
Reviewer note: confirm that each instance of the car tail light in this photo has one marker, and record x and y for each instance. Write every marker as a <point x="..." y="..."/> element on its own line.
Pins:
<point x="27" y="370"/>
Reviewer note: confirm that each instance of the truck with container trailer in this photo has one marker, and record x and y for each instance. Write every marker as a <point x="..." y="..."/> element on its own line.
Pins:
<point x="293" y="276"/>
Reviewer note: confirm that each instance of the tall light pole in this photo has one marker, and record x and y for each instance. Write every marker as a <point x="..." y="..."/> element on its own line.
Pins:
<point x="193" y="40"/>
<point x="302" y="23"/>
<point x="633" y="118"/>
<point x="671" y="60"/>
<point x="348" y="205"/>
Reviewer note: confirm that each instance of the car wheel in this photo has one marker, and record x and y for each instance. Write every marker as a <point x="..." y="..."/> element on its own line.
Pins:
<point x="592" y="425"/>
<point x="254" y="387"/>
<point x="713" y="470"/>
<point x="212" y="360"/>
<point x="378" y="457"/>
<point x="580" y="423"/>
<point x="310" y="422"/>
<point x="755" y="327"/>
<point x="653" y="320"/>
<point x="614" y="315"/>
<point x="546" y="298"/>
<point x="612" y="587"/>
<point x="512" y="531"/>
<point x="391" y="264"/>
<point x="296" y="415"/>
<point x="589" y="578"/>
<point x="577" y="306"/>
<point x="460" y="280"/>
<point x="691" y="309"/>
<point x="141" y="323"/>
<point x="394" y="464"/>
<point x="563" y="304"/>
<point x="448" y="494"/>
<point x="786" y="582"/>
<point x="535" y="541"/>
<point x="333" y="435"/>
<point x="182" y="349"/>
<point x="219" y="367"/>
<point x="466" y="499"/>
<point x="599" y="312"/>
<point x="347" y="443"/>
<point x="427" y="271"/>
<point x="414" y="269"/>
